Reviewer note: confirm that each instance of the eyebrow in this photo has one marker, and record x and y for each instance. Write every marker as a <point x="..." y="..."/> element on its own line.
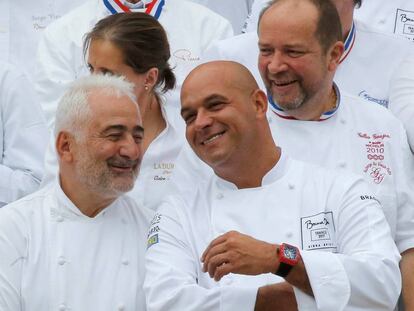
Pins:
<point x="122" y="128"/>
<point x="206" y="101"/>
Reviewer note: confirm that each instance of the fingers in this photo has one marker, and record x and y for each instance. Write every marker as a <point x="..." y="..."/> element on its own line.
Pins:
<point x="219" y="240"/>
<point x="211" y="253"/>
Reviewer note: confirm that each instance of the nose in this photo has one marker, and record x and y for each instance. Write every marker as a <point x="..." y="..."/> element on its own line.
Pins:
<point x="202" y="120"/>
<point x="130" y="148"/>
<point x="277" y="63"/>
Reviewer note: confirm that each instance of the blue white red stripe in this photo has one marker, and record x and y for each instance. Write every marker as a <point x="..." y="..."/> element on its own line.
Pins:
<point x="349" y="43"/>
<point x="153" y="8"/>
<point x="277" y="110"/>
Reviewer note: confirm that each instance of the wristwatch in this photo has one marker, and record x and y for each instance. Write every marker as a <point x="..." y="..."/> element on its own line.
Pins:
<point x="289" y="256"/>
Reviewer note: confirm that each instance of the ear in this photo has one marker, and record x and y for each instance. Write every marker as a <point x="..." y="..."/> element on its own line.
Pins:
<point x="259" y="99"/>
<point x="334" y="55"/>
<point x="151" y="77"/>
<point x="64" y="146"/>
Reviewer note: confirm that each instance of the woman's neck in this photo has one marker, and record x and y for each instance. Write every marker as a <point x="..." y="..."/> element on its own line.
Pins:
<point x="153" y="121"/>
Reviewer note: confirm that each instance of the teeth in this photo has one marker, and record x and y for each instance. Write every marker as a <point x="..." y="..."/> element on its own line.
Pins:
<point x="211" y="139"/>
<point x="283" y="83"/>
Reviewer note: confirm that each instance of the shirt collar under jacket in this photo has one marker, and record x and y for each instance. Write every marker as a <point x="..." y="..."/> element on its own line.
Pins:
<point x="277" y="110"/>
<point x="349" y="42"/>
<point x="154" y="7"/>
<point x="275" y="173"/>
<point x="65" y="208"/>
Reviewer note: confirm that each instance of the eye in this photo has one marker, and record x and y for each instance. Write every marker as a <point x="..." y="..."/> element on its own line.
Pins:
<point x="216" y="106"/>
<point x="295" y="53"/>
<point x="138" y="138"/>
<point x="265" y="51"/>
<point x="114" y="136"/>
<point x="188" y="119"/>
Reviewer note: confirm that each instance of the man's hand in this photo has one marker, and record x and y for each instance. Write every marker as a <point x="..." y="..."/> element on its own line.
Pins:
<point x="234" y="252"/>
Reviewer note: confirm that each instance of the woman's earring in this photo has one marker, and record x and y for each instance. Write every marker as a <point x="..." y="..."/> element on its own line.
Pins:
<point x="146" y="87"/>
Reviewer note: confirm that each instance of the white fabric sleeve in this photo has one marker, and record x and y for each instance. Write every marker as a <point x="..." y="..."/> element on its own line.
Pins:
<point x="24" y="135"/>
<point x="172" y="267"/>
<point x="55" y="70"/>
<point x="404" y="184"/>
<point x="365" y="271"/>
<point x="12" y="253"/>
<point x="401" y="99"/>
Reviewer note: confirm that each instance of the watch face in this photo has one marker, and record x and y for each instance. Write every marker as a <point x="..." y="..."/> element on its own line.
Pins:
<point x="290" y="252"/>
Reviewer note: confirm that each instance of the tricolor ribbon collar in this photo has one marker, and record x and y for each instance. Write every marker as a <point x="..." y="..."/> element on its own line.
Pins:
<point x="349" y="43"/>
<point x="277" y="110"/>
<point x="153" y="8"/>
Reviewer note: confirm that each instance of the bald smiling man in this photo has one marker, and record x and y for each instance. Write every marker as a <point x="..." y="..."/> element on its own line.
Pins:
<point x="264" y="232"/>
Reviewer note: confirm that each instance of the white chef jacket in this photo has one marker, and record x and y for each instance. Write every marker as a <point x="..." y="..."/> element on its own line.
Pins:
<point x="23" y="136"/>
<point x="235" y="11"/>
<point x="402" y="97"/>
<point x="359" y="73"/>
<point x="21" y="26"/>
<point x="331" y="216"/>
<point x="190" y="27"/>
<point x="362" y="137"/>
<point x="157" y="165"/>
<point x="53" y="257"/>
<point x="396" y="16"/>
<point x="368" y="140"/>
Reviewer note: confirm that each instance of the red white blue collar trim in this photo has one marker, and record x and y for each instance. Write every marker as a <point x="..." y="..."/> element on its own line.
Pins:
<point x="153" y="8"/>
<point x="349" y="43"/>
<point x="277" y="110"/>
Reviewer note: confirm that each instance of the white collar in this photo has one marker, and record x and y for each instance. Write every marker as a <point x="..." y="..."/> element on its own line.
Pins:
<point x="274" y="174"/>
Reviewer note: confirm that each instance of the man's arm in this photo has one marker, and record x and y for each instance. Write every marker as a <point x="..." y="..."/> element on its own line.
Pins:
<point x="352" y="277"/>
<point x="24" y="135"/>
<point x="407" y="271"/>
<point x="234" y="252"/>
<point x="278" y="296"/>
<point x="174" y="278"/>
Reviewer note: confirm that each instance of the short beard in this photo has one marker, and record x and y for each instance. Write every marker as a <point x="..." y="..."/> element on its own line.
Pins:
<point x="98" y="177"/>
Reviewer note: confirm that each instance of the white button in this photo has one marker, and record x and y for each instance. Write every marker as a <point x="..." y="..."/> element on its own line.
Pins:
<point x="62" y="307"/>
<point x="269" y="119"/>
<point x="3" y="29"/>
<point x="121" y="307"/>
<point x="342" y="164"/>
<point x="59" y="219"/>
<point x="125" y="262"/>
<point x="124" y="221"/>
<point x="291" y="186"/>
<point x="382" y="21"/>
<point x="61" y="260"/>
<point x="219" y="196"/>
<point x="343" y="121"/>
<point x="289" y="234"/>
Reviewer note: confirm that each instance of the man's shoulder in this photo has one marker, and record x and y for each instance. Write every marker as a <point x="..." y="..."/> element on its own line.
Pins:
<point x="184" y="15"/>
<point x="371" y="113"/>
<point x="138" y="213"/>
<point x="29" y="209"/>
<point x="370" y="36"/>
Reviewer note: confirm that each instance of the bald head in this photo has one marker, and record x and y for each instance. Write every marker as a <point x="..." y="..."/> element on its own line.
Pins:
<point x="225" y="115"/>
<point x="328" y="28"/>
<point x="232" y="74"/>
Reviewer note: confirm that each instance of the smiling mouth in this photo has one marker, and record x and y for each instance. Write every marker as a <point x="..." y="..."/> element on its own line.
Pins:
<point x="212" y="138"/>
<point x="284" y="83"/>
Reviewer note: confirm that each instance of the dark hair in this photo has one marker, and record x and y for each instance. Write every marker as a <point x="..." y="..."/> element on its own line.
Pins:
<point x="357" y="3"/>
<point x="142" y="40"/>
<point x="329" y="28"/>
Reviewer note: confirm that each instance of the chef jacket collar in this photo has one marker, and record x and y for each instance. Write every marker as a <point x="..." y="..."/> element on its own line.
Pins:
<point x="275" y="173"/>
<point x="66" y="207"/>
